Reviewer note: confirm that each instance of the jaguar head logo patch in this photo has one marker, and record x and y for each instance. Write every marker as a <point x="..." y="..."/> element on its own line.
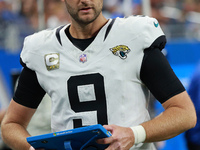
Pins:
<point x="121" y="51"/>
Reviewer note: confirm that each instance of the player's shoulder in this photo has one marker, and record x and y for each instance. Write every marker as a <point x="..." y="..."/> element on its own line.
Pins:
<point x="37" y="43"/>
<point x="137" y="22"/>
<point x="142" y="19"/>
<point x="38" y="39"/>
<point x="141" y="26"/>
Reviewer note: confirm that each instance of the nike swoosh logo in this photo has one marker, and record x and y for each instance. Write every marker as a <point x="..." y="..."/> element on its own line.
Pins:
<point x="156" y="24"/>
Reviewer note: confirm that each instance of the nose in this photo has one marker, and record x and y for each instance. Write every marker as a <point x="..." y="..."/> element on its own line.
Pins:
<point x="84" y="1"/>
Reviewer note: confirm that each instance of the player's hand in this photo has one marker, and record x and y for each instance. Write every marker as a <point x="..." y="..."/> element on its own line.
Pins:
<point x="122" y="138"/>
<point x="31" y="148"/>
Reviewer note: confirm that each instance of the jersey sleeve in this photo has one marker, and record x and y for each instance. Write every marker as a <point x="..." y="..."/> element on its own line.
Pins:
<point x="30" y="48"/>
<point x="25" y="52"/>
<point x="28" y="93"/>
<point x="153" y="34"/>
<point x="157" y="74"/>
<point x="33" y="48"/>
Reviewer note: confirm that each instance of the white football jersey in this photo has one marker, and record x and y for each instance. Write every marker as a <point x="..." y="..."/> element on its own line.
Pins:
<point x="100" y="84"/>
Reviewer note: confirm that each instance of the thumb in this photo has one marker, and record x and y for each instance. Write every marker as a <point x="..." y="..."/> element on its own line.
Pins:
<point x="31" y="148"/>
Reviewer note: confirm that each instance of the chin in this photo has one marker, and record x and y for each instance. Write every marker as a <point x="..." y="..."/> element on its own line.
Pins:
<point x="87" y="20"/>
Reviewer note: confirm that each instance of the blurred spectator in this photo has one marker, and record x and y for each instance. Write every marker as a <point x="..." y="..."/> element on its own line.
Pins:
<point x="182" y="18"/>
<point x="156" y="7"/>
<point x="56" y="14"/>
<point x="178" y="18"/>
<point x="131" y="7"/>
<point x="193" y="135"/>
<point x="137" y="7"/>
<point x="169" y="15"/>
<point x="192" y="14"/>
<point x="112" y="9"/>
<point x="15" y="25"/>
<point x="26" y="22"/>
<point x="121" y="8"/>
<point x="28" y="13"/>
<point x="6" y="20"/>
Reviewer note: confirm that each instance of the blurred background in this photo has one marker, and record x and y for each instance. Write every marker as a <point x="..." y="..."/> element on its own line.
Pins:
<point x="179" y="19"/>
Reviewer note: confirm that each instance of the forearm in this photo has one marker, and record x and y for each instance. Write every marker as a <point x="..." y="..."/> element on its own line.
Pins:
<point x="14" y="136"/>
<point x="165" y="126"/>
<point x="14" y="125"/>
<point x="173" y="121"/>
<point x="2" y="113"/>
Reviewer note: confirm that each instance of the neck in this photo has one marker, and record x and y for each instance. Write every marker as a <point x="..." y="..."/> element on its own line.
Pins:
<point x="85" y="31"/>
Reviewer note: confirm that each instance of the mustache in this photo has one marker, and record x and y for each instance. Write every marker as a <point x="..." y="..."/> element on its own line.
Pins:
<point x="85" y="4"/>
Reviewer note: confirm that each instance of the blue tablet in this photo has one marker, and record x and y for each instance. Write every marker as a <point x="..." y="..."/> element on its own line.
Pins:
<point x="83" y="138"/>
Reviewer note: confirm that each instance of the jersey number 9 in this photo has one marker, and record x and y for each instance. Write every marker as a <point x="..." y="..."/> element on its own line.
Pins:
<point x="98" y="104"/>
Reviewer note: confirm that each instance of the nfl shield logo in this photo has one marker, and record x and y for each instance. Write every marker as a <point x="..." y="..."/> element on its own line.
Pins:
<point x="83" y="58"/>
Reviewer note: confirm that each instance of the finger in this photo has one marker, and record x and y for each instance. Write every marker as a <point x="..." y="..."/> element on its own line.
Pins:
<point x="108" y="127"/>
<point x="31" y="148"/>
<point x="111" y="147"/>
<point x="105" y="140"/>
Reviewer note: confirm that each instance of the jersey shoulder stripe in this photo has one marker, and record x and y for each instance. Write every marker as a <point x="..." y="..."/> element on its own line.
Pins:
<point x="109" y="28"/>
<point x="58" y="34"/>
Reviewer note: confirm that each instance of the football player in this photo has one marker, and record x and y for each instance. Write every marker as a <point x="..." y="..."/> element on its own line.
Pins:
<point x="100" y="70"/>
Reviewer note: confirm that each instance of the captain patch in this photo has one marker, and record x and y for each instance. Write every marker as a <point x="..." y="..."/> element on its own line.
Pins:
<point x="52" y="61"/>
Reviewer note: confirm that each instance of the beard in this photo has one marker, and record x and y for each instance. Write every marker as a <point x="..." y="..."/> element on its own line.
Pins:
<point x="84" y="18"/>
